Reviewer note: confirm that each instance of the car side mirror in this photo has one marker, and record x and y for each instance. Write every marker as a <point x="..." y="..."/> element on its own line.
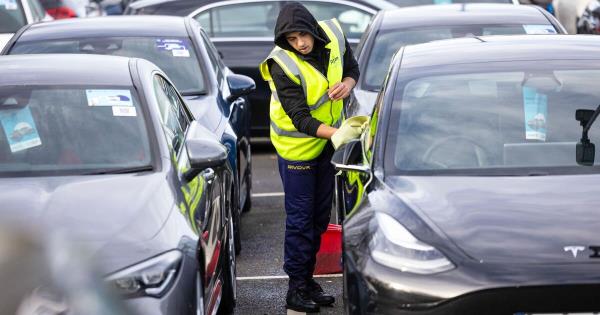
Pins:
<point x="203" y="154"/>
<point x="348" y="157"/>
<point x="239" y="85"/>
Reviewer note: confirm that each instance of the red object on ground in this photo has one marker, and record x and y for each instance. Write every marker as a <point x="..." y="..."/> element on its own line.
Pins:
<point x="329" y="257"/>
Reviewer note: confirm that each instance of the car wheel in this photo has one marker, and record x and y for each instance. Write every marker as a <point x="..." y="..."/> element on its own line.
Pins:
<point x="199" y="295"/>
<point x="229" y="274"/>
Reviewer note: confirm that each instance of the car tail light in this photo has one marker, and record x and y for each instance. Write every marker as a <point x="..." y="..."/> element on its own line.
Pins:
<point x="62" y="13"/>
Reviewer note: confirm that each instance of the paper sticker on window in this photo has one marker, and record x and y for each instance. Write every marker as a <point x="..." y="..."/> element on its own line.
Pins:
<point x="128" y="111"/>
<point x="9" y="4"/>
<point x="20" y="129"/>
<point x="541" y="29"/>
<point x="442" y="2"/>
<point x="536" y="112"/>
<point x="177" y="47"/>
<point x="109" y="98"/>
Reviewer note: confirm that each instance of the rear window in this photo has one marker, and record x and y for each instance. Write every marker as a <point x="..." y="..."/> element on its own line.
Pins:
<point x="12" y="17"/>
<point x="408" y="3"/>
<point x="175" y="56"/>
<point x="387" y="43"/>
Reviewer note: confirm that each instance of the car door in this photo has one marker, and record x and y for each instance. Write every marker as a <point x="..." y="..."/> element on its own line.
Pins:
<point x="202" y="195"/>
<point x="237" y="110"/>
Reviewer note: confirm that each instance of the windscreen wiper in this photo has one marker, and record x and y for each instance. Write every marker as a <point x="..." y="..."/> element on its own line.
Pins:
<point x="122" y="170"/>
<point x="586" y="150"/>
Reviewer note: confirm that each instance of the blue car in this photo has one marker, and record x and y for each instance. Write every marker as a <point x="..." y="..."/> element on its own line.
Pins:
<point x="183" y="51"/>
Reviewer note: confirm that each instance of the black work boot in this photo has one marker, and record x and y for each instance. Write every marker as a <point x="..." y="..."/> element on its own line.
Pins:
<point x="317" y="295"/>
<point x="298" y="300"/>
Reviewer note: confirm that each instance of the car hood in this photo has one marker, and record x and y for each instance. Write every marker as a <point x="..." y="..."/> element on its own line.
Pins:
<point x="509" y="219"/>
<point x="94" y="209"/>
<point x="206" y="110"/>
<point x="4" y="38"/>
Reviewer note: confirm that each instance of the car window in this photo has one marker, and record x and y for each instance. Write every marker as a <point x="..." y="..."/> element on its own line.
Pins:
<point x="387" y="43"/>
<point x="213" y="55"/>
<point x="173" y="113"/>
<point x="408" y="3"/>
<point x="37" y="10"/>
<point x="70" y="129"/>
<point x="354" y="21"/>
<point x="514" y="118"/>
<point x="256" y="19"/>
<point x="176" y="56"/>
<point x="12" y="17"/>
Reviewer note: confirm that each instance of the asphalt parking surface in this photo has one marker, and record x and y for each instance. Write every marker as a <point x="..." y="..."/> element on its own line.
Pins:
<point x="262" y="285"/>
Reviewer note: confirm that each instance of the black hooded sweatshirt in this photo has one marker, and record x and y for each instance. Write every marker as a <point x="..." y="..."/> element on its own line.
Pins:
<point x="294" y="17"/>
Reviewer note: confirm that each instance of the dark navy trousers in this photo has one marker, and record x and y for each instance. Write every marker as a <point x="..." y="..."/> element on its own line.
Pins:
<point x="308" y="188"/>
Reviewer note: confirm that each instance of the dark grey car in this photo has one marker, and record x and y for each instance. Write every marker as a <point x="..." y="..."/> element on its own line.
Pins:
<point x="111" y="155"/>
<point x="469" y="192"/>
<point x="392" y="29"/>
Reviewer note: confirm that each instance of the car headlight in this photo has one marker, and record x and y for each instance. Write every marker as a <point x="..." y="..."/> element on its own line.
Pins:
<point x="152" y="277"/>
<point x="394" y="246"/>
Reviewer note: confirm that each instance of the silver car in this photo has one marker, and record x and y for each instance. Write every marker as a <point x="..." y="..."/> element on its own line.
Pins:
<point x="15" y="14"/>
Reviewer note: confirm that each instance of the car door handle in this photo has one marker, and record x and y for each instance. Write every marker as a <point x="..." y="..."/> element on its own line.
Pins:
<point x="240" y="102"/>
<point x="209" y="175"/>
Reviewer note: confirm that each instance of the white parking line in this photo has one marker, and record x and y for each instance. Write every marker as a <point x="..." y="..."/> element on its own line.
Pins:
<point x="273" y="194"/>
<point x="335" y="275"/>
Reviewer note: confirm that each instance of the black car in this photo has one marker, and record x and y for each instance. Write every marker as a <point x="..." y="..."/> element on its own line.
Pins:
<point x="243" y="33"/>
<point x="474" y="189"/>
<point x="111" y="155"/>
<point x="179" y="47"/>
<point x="392" y="29"/>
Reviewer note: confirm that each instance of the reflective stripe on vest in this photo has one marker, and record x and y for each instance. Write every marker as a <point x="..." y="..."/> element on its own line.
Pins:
<point x="315" y="86"/>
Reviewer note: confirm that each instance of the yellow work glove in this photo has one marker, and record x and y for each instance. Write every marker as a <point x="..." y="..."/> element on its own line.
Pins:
<point x="350" y="129"/>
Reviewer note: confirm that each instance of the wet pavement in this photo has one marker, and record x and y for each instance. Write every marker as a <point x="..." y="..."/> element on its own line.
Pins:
<point x="262" y="284"/>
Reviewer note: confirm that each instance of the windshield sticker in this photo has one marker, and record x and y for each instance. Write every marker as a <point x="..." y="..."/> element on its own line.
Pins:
<point x="20" y="129"/>
<point x="128" y="111"/>
<point x="539" y="29"/>
<point x="442" y="1"/>
<point x="9" y="4"/>
<point x="109" y="97"/>
<point x="177" y="47"/>
<point x="536" y="112"/>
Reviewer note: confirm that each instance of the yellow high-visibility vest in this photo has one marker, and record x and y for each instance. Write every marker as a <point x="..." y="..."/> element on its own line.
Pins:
<point x="288" y="141"/>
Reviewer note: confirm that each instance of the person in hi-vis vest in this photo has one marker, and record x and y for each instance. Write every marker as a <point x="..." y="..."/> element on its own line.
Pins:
<point x="310" y="72"/>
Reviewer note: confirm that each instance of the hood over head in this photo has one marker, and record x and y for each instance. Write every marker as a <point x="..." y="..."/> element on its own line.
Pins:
<point x="294" y="17"/>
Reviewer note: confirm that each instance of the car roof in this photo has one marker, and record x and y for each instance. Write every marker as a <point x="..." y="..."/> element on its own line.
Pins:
<point x="121" y="26"/>
<point x="189" y="6"/>
<point x="501" y="48"/>
<point x="462" y="14"/>
<point x="65" y="69"/>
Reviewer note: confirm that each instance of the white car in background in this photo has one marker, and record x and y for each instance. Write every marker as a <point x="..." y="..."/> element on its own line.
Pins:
<point x="15" y="14"/>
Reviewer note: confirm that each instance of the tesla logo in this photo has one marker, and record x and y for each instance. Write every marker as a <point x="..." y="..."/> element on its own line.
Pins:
<point x="574" y="250"/>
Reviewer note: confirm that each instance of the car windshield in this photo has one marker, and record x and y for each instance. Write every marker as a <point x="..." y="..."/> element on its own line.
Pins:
<point x="12" y="17"/>
<point x="54" y="130"/>
<point x="408" y="3"/>
<point x="175" y="56"/>
<point x="387" y="43"/>
<point x="486" y="119"/>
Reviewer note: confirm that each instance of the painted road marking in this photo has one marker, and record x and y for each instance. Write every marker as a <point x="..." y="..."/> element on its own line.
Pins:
<point x="335" y="275"/>
<point x="273" y="194"/>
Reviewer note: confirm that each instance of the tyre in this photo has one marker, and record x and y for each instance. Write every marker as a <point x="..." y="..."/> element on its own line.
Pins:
<point x="237" y="227"/>
<point x="248" y="202"/>
<point x="229" y="273"/>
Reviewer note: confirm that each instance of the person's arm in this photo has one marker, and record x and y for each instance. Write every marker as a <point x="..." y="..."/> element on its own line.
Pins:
<point x="293" y="101"/>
